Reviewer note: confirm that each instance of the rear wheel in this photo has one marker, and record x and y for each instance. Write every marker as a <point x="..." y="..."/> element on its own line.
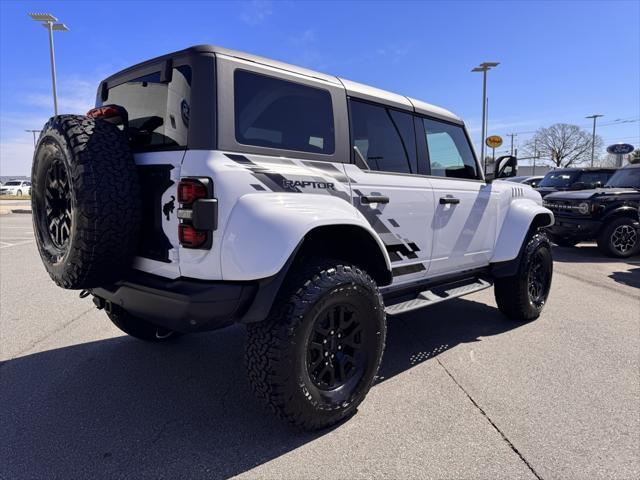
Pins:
<point x="314" y="361"/>
<point x="523" y="296"/>
<point x="19" y="193"/>
<point x="619" y="238"/>
<point x="139" y="328"/>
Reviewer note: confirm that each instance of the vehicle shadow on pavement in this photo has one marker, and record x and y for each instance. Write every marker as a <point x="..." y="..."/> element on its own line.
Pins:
<point x="587" y="253"/>
<point x="123" y="408"/>
<point x="418" y="336"/>
<point x="630" y="278"/>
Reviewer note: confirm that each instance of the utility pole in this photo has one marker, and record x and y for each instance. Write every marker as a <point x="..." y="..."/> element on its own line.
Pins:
<point x="34" y="135"/>
<point x="593" y="137"/>
<point x="512" y="135"/>
<point x="535" y="155"/>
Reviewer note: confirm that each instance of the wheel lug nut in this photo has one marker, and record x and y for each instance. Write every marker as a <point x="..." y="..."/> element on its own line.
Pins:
<point x="339" y="335"/>
<point x="332" y="355"/>
<point x="332" y="332"/>
<point x="326" y="354"/>
<point x="339" y="347"/>
<point x="326" y="363"/>
<point x="324" y="341"/>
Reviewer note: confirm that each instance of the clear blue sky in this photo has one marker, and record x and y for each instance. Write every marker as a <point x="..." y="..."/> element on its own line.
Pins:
<point x="560" y="61"/>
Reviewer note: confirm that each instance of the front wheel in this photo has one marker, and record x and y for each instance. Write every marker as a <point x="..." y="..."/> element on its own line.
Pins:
<point x="619" y="238"/>
<point x="316" y="358"/>
<point x="522" y="296"/>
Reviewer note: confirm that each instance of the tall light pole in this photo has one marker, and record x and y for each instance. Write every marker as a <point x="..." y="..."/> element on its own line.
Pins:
<point x="34" y="135"/>
<point x="484" y="68"/>
<point x="48" y="21"/>
<point x="593" y="136"/>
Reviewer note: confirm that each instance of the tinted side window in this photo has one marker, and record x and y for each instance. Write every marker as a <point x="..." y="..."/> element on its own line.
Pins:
<point x="275" y="113"/>
<point x="593" y="178"/>
<point x="450" y="154"/>
<point x="384" y="137"/>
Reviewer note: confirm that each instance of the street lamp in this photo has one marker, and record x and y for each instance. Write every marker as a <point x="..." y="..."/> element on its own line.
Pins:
<point x="484" y="68"/>
<point x="593" y="137"/>
<point x="48" y="21"/>
<point x="34" y="135"/>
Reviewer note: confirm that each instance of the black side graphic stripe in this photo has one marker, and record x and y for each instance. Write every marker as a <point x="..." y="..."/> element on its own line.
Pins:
<point x="407" y="269"/>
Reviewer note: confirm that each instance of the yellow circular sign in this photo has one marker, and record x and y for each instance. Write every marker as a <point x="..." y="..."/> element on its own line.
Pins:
<point x="494" y="141"/>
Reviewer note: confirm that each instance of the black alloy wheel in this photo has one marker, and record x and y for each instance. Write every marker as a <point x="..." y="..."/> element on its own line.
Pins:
<point x="57" y="203"/>
<point x="538" y="279"/>
<point x="335" y="351"/>
<point x="624" y="239"/>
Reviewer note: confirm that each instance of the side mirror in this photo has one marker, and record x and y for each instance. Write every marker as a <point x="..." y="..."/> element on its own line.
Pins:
<point x="506" y="166"/>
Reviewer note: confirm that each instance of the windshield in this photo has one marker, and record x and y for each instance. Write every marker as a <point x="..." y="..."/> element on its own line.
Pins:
<point x="558" y="179"/>
<point x="625" y="177"/>
<point x="8" y="184"/>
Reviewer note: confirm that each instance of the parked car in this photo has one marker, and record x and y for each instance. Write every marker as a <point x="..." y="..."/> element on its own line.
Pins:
<point x="308" y="207"/>
<point x="563" y="179"/>
<point x="532" y="180"/>
<point x="16" y="187"/>
<point x="608" y="215"/>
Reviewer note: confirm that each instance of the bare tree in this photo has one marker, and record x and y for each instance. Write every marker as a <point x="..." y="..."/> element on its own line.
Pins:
<point x="563" y="144"/>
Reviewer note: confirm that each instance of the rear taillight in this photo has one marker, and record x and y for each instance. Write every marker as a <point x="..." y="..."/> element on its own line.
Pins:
<point x="190" y="190"/>
<point x="111" y="113"/>
<point x="198" y="212"/>
<point x="190" y="237"/>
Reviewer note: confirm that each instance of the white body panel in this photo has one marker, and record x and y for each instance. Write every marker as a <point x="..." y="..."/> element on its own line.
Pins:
<point x="463" y="234"/>
<point x="257" y="243"/>
<point x="404" y="224"/>
<point x="263" y="216"/>
<point x="516" y="212"/>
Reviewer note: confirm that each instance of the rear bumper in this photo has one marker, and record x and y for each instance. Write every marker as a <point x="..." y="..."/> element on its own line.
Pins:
<point x="574" y="228"/>
<point x="182" y="305"/>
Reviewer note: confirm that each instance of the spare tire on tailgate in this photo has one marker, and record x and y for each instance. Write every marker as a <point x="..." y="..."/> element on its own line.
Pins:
<point x="85" y="201"/>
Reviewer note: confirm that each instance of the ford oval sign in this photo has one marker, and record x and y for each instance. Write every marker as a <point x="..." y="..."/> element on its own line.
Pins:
<point x="620" y="148"/>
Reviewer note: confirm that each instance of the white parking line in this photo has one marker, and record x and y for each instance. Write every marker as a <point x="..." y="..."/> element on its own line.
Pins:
<point x="9" y="245"/>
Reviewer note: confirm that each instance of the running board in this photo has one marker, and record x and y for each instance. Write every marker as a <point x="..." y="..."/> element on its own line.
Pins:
<point x="430" y="297"/>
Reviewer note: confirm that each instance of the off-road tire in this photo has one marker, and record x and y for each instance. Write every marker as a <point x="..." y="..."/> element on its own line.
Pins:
<point x="606" y="240"/>
<point x="84" y="166"/>
<point x="563" y="242"/>
<point x="277" y="349"/>
<point x="139" y="328"/>
<point x="513" y="293"/>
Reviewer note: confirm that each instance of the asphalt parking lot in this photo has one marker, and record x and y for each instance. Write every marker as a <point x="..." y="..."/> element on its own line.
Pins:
<point x="463" y="392"/>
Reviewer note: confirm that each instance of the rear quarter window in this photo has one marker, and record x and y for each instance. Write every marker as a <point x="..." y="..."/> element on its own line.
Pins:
<point x="275" y="113"/>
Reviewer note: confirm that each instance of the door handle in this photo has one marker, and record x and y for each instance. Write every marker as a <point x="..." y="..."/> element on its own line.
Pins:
<point x="449" y="200"/>
<point x="367" y="199"/>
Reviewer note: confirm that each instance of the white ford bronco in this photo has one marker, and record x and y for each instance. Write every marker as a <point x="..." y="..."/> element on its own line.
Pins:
<point x="210" y="187"/>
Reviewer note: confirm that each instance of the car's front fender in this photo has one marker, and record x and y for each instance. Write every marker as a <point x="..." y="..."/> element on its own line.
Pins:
<point x="521" y="215"/>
